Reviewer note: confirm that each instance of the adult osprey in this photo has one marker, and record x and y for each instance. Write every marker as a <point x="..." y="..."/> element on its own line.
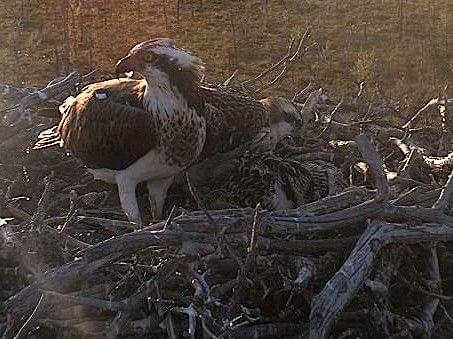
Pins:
<point x="129" y="131"/>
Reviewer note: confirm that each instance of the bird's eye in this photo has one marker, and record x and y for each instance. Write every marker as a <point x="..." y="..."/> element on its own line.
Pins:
<point x="150" y="57"/>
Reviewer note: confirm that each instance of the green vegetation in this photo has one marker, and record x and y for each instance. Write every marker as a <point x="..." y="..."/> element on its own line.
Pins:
<point x="403" y="47"/>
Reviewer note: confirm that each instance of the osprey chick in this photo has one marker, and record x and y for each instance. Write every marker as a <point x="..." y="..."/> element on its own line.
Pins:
<point x="275" y="181"/>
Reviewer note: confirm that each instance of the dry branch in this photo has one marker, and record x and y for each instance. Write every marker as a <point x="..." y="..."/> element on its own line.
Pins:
<point x="340" y="290"/>
<point x="22" y="110"/>
<point x="237" y="272"/>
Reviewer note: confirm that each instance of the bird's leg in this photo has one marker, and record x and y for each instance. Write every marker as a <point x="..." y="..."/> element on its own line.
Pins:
<point x="128" y="199"/>
<point x="157" y="192"/>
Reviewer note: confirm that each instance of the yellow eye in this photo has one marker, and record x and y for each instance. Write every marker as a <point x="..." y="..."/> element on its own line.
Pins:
<point x="150" y="57"/>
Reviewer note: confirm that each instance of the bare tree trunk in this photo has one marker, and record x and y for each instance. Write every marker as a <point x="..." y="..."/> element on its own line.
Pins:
<point x="66" y="38"/>
<point x="138" y="8"/>
<point x="178" y="8"/>
<point x="233" y="33"/>
<point x="165" y="14"/>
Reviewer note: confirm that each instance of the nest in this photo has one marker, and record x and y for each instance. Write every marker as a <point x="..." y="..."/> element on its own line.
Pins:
<point x="373" y="261"/>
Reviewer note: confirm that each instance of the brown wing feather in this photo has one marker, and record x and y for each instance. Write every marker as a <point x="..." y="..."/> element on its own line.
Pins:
<point x="231" y="120"/>
<point x="108" y="133"/>
<point x="114" y="132"/>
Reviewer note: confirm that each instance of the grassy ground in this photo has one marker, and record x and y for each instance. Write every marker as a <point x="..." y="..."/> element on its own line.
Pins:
<point x="404" y="47"/>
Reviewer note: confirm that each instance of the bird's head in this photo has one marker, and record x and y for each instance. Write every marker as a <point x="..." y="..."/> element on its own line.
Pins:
<point x="159" y="56"/>
<point x="285" y="117"/>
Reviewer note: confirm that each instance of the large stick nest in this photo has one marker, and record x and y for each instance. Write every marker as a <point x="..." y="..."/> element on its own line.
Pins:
<point x="373" y="261"/>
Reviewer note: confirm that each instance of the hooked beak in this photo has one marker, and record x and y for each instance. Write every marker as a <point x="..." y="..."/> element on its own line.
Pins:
<point x="128" y="64"/>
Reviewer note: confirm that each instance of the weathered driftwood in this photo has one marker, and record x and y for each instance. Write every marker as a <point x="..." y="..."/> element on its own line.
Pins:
<point x="202" y="233"/>
<point x="434" y="102"/>
<point x="62" y="279"/>
<point x="339" y="291"/>
<point x="239" y="272"/>
<point x="22" y="109"/>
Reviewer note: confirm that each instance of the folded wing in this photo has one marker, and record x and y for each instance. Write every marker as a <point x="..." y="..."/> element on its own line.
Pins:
<point x="105" y="125"/>
<point x="231" y="120"/>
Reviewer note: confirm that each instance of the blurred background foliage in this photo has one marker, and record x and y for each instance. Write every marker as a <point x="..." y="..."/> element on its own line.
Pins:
<point x="403" y="48"/>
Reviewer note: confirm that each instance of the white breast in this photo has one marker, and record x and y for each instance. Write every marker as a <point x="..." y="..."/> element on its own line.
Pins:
<point x="160" y="98"/>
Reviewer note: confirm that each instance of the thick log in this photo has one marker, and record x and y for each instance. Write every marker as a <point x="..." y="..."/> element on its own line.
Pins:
<point x="61" y="279"/>
<point x="339" y="291"/>
<point x="272" y="330"/>
<point x="182" y="273"/>
<point x="50" y="91"/>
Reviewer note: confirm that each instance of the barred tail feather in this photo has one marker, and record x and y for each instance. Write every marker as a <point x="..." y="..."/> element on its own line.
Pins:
<point x="47" y="138"/>
<point x="50" y="137"/>
<point x="46" y="144"/>
<point x="50" y="132"/>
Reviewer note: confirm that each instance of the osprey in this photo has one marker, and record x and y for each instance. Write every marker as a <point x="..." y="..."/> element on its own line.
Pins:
<point x="129" y="131"/>
<point x="275" y="181"/>
<point x="233" y="119"/>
